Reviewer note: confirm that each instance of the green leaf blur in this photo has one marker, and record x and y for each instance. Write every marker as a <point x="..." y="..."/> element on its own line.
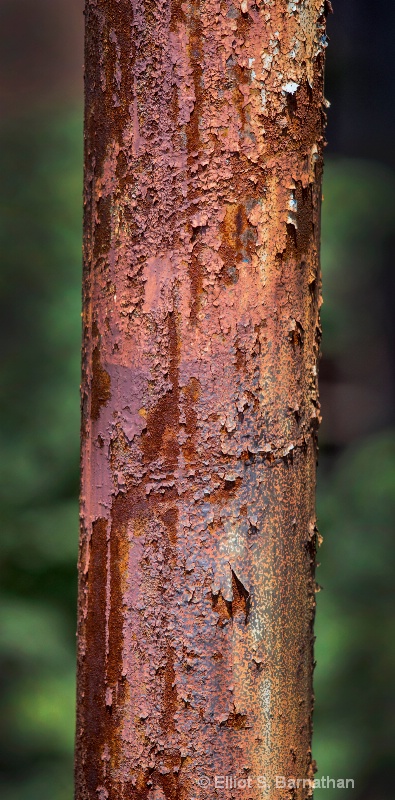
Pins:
<point x="41" y="180"/>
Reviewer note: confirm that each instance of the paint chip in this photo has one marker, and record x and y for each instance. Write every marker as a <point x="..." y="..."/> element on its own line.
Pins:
<point x="290" y="88"/>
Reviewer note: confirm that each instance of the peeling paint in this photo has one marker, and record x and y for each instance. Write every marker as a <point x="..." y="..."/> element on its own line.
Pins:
<point x="203" y="161"/>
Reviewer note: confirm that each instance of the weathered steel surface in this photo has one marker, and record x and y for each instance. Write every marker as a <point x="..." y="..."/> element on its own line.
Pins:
<point x="204" y="136"/>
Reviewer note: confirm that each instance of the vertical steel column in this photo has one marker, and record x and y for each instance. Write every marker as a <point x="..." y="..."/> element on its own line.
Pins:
<point x="204" y="136"/>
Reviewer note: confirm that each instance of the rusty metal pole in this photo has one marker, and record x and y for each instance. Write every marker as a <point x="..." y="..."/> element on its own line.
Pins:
<point x="204" y="136"/>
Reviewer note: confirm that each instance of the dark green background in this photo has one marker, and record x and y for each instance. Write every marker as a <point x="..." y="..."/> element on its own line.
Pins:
<point x="41" y="183"/>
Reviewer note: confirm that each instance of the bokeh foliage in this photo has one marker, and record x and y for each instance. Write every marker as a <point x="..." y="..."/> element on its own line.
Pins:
<point x="41" y="180"/>
<point x="355" y="648"/>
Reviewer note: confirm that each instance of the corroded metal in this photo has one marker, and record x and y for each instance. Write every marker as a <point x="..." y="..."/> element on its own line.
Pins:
<point x="204" y="137"/>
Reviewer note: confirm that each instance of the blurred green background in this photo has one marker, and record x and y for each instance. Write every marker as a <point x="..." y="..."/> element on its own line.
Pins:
<point x="40" y="230"/>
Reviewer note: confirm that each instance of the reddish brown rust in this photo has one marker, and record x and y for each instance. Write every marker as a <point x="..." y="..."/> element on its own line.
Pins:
<point x="204" y="136"/>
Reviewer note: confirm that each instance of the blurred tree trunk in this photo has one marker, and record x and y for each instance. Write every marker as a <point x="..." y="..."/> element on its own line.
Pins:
<point x="204" y="136"/>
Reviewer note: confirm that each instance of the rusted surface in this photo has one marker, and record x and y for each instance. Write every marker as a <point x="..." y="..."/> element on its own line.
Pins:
<point x="204" y="136"/>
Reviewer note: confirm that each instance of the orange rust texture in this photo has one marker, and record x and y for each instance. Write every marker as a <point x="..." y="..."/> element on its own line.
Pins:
<point x="203" y="160"/>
